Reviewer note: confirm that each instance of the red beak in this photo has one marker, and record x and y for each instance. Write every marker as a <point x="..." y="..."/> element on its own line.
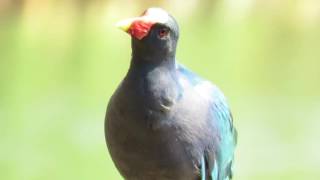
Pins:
<point x="139" y="27"/>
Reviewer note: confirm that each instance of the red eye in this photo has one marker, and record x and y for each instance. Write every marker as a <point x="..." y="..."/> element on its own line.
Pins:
<point x="163" y="32"/>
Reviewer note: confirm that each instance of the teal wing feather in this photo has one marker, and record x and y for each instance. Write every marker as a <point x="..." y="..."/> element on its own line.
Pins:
<point x="222" y="117"/>
<point x="217" y="164"/>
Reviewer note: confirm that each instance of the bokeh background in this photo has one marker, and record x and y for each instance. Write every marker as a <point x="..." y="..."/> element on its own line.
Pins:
<point x="60" y="61"/>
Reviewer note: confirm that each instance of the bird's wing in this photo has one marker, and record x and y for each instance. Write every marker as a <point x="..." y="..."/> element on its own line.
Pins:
<point x="216" y="162"/>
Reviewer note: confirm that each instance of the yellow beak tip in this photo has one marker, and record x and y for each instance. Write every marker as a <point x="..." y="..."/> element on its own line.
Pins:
<point x="124" y="24"/>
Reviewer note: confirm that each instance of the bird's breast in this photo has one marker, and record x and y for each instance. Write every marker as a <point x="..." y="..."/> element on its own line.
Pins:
<point x="153" y="127"/>
<point x="160" y="90"/>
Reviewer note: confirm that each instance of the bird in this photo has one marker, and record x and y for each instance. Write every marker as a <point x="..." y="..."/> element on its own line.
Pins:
<point x="164" y="122"/>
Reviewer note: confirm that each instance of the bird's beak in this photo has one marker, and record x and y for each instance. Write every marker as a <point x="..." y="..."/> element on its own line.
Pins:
<point x="125" y="24"/>
<point x="137" y="27"/>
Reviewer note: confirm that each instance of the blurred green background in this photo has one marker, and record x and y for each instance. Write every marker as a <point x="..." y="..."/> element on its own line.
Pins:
<point x="60" y="61"/>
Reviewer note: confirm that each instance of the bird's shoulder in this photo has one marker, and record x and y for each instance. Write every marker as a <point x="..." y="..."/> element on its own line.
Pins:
<point x="201" y="86"/>
<point x="217" y="102"/>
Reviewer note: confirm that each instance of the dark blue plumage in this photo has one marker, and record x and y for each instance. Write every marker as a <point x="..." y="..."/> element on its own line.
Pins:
<point x="164" y="122"/>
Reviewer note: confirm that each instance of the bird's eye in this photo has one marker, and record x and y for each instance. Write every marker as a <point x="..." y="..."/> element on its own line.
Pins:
<point x="163" y="32"/>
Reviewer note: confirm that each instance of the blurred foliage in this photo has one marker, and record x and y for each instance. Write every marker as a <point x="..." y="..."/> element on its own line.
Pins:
<point x="60" y="61"/>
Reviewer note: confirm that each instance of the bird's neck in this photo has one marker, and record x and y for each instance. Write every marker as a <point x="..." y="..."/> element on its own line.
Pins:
<point x="148" y="63"/>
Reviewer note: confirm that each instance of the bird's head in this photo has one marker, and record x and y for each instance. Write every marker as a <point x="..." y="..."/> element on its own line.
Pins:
<point x="154" y="33"/>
